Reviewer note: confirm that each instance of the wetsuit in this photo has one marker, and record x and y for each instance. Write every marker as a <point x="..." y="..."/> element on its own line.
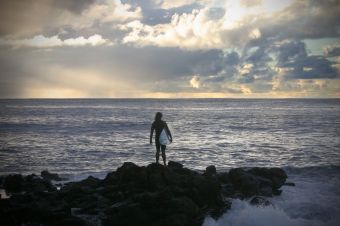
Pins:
<point x="158" y="126"/>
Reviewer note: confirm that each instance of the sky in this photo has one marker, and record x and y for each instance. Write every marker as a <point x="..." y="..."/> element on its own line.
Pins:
<point x="170" y="49"/>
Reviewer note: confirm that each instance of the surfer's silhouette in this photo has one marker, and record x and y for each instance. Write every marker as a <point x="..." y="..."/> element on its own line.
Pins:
<point x="158" y="125"/>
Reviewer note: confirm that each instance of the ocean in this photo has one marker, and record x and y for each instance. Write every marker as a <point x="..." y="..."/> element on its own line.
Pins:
<point x="81" y="137"/>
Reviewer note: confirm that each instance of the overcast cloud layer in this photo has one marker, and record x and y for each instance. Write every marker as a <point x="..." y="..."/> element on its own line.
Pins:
<point x="169" y="48"/>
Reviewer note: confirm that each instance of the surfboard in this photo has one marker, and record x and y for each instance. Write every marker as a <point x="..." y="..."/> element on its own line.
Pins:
<point x="164" y="138"/>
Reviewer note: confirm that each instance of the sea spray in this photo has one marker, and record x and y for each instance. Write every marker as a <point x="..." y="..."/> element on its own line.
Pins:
<point x="313" y="201"/>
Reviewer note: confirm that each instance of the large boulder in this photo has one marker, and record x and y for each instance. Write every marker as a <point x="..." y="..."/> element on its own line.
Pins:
<point x="90" y="182"/>
<point x="14" y="183"/>
<point x="244" y="182"/>
<point x="50" y="176"/>
<point x="276" y="175"/>
<point x="33" y="183"/>
<point x="260" y="201"/>
<point x="210" y="171"/>
<point x="131" y="176"/>
<point x="256" y="181"/>
<point x="172" y="164"/>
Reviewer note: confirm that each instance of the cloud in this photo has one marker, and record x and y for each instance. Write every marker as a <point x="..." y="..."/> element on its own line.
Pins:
<point x="303" y="19"/>
<point x="41" y="41"/>
<point x="299" y="65"/>
<point x="250" y="3"/>
<point x="168" y="4"/>
<point x="21" y="18"/>
<point x="195" y="82"/>
<point x="168" y="48"/>
<point x="200" y="29"/>
<point x="24" y="19"/>
<point x="236" y="24"/>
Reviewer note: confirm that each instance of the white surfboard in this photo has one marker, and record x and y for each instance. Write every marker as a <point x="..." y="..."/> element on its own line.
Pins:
<point x="164" y="138"/>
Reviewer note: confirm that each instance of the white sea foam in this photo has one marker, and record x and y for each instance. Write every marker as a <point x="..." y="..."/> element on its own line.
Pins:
<point x="314" y="201"/>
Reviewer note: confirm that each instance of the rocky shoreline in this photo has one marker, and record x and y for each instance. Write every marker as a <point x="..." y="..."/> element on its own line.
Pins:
<point x="151" y="195"/>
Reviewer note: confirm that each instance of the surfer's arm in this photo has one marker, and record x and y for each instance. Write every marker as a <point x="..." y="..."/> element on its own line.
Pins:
<point x="151" y="133"/>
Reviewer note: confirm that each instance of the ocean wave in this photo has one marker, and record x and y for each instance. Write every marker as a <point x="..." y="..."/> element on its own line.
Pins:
<point x="313" y="201"/>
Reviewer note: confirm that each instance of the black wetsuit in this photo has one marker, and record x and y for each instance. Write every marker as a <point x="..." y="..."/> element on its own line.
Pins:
<point x="158" y="126"/>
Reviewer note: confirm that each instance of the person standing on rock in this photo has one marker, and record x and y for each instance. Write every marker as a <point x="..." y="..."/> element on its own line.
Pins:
<point x="159" y="125"/>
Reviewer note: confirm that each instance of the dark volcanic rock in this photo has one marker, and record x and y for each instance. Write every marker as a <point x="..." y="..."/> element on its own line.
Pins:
<point x="210" y="170"/>
<point x="257" y="181"/>
<point x="173" y="164"/>
<point x="260" y="201"/>
<point x="33" y="183"/>
<point x="276" y="175"/>
<point x="50" y="176"/>
<point x="14" y="183"/>
<point x="153" y="195"/>
<point x="244" y="182"/>
<point x="289" y="184"/>
<point x="132" y="176"/>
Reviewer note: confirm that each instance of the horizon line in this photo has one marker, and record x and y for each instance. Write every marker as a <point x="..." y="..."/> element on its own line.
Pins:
<point x="162" y="98"/>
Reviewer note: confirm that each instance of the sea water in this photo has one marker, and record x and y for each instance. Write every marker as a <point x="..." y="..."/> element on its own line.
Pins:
<point x="80" y="137"/>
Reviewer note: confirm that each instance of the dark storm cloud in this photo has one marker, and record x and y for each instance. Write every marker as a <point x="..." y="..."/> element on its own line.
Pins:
<point x="293" y="55"/>
<point x="290" y="52"/>
<point x="74" y="6"/>
<point x="232" y="58"/>
<point x="311" y="67"/>
<point x="258" y="56"/>
<point x="26" y="18"/>
<point x="304" y="19"/>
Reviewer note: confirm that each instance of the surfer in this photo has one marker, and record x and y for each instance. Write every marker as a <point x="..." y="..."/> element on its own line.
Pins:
<point x="159" y="125"/>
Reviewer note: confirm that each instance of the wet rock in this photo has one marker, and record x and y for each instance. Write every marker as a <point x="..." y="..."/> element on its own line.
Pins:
<point x="90" y="182"/>
<point x="289" y="184"/>
<point x="33" y="183"/>
<point x="276" y="175"/>
<point x="260" y="201"/>
<point x="277" y="192"/>
<point x="69" y="220"/>
<point x="173" y="164"/>
<point x="224" y="178"/>
<point x="50" y="176"/>
<point x="265" y="191"/>
<point x="210" y="170"/>
<point x="127" y="214"/>
<point x="175" y="220"/>
<point x="208" y="191"/>
<point x="152" y="195"/>
<point x="131" y="175"/>
<point x="245" y="182"/>
<point x="2" y="178"/>
<point x="257" y="181"/>
<point x="14" y="183"/>
<point x="110" y="179"/>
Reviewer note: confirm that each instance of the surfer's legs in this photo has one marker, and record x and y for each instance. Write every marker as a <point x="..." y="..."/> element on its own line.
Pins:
<point x="163" y="147"/>
<point x="158" y="147"/>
